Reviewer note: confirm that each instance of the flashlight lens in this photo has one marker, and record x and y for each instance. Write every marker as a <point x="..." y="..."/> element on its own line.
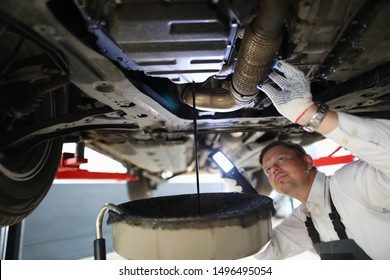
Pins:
<point x="223" y="161"/>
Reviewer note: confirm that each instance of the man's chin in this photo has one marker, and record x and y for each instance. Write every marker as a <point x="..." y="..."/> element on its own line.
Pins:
<point x="284" y="189"/>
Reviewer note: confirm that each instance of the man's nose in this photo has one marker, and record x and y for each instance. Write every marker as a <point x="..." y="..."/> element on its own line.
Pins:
<point x="274" y="169"/>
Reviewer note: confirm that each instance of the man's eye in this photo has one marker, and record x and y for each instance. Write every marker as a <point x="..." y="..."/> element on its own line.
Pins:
<point x="281" y="159"/>
<point x="267" y="171"/>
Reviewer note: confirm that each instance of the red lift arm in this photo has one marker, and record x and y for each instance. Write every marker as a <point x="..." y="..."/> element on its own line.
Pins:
<point x="70" y="169"/>
<point x="331" y="159"/>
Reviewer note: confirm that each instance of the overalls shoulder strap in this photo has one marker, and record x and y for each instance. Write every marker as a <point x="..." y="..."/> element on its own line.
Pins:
<point x="313" y="233"/>
<point x="342" y="249"/>
<point x="337" y="225"/>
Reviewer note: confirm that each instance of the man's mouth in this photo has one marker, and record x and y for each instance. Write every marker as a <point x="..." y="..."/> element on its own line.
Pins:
<point x="280" y="177"/>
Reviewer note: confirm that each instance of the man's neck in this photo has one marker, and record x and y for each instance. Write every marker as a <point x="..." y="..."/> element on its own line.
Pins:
<point x="305" y="191"/>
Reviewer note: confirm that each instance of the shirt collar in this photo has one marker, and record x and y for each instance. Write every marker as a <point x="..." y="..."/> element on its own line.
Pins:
<point x="317" y="192"/>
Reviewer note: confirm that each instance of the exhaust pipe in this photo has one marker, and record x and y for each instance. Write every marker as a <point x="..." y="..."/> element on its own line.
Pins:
<point x="260" y="43"/>
<point x="211" y="99"/>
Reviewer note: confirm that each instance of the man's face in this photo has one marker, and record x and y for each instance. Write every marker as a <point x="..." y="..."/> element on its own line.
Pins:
<point x="287" y="172"/>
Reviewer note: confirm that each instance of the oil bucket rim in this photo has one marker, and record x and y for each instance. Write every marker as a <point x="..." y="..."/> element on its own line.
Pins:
<point x="262" y="209"/>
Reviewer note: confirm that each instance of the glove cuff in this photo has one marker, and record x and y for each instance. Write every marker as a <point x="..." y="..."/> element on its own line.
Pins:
<point x="300" y="116"/>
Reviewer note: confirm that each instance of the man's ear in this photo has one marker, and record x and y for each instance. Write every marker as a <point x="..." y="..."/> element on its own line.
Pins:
<point x="309" y="162"/>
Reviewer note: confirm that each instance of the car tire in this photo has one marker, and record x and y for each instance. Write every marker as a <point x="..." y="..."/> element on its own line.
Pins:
<point x="26" y="179"/>
<point x="26" y="176"/>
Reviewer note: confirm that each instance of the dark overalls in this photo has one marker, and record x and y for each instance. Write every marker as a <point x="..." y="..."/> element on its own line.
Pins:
<point x="343" y="249"/>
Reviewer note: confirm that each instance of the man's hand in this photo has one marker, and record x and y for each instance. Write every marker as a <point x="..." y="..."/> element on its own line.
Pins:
<point x="295" y="97"/>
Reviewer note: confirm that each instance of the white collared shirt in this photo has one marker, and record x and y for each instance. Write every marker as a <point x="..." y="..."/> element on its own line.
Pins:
<point x="360" y="192"/>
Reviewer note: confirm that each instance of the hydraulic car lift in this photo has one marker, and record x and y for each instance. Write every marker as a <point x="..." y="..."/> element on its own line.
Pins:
<point x="69" y="168"/>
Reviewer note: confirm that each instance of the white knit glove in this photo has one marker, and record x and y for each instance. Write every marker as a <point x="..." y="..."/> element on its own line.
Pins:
<point x="295" y="97"/>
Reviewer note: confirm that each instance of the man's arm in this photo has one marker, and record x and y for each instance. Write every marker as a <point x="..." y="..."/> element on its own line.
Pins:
<point x="329" y="123"/>
<point x="289" y="239"/>
<point x="368" y="139"/>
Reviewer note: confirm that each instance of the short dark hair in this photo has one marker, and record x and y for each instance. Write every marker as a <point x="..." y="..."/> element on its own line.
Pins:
<point x="292" y="146"/>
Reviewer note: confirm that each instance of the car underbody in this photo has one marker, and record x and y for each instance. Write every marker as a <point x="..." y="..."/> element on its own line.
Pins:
<point x="149" y="82"/>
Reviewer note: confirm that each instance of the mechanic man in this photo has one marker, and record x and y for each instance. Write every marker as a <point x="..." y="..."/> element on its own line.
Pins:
<point x="344" y="216"/>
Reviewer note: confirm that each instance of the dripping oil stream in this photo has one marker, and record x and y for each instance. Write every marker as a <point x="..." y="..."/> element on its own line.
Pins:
<point x="196" y="146"/>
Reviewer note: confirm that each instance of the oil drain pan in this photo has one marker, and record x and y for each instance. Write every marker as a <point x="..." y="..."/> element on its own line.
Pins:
<point x="228" y="226"/>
